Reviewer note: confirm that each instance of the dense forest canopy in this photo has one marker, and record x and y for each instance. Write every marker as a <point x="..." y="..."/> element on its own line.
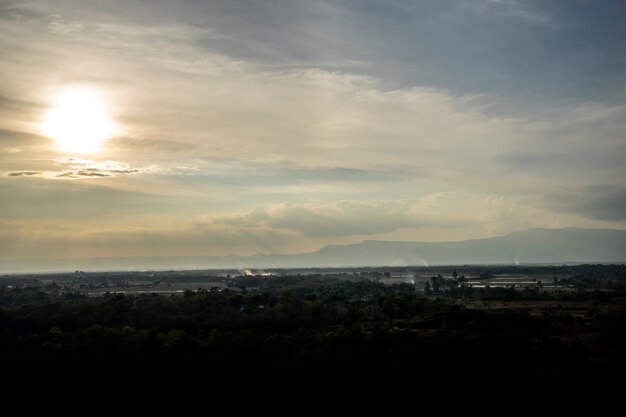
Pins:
<point x="311" y="324"/>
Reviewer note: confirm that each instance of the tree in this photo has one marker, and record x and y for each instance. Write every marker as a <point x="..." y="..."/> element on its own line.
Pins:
<point x="436" y="282"/>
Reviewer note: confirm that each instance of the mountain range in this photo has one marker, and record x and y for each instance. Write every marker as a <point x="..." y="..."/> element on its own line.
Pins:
<point x="534" y="246"/>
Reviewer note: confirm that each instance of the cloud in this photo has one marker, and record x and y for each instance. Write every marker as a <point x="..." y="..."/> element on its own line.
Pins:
<point x="79" y="174"/>
<point x="24" y="174"/>
<point x="346" y="218"/>
<point x="76" y="168"/>
<point x="599" y="202"/>
<point x="519" y="9"/>
<point x="82" y="203"/>
<point x="59" y="25"/>
<point x="8" y="104"/>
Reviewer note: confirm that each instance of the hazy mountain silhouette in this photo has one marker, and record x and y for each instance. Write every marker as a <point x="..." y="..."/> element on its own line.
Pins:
<point x="569" y="245"/>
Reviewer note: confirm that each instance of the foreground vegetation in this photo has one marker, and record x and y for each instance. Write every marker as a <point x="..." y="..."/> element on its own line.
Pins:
<point x="302" y="327"/>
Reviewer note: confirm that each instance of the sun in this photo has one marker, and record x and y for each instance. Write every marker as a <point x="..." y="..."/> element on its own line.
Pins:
<point x="78" y="121"/>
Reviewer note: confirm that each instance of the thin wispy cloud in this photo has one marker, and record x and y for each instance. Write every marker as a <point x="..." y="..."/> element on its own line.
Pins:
<point x="519" y="9"/>
<point x="76" y="168"/>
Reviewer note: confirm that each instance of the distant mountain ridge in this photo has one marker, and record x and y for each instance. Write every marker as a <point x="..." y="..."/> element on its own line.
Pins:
<point x="567" y="245"/>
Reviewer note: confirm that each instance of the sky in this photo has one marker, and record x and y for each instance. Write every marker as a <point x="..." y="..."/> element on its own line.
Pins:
<point x="245" y="127"/>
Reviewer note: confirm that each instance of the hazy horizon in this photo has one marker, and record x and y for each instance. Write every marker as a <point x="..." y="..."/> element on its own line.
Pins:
<point x="194" y="128"/>
<point x="530" y="247"/>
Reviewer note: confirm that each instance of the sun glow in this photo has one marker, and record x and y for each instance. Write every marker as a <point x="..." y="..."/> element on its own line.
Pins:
<point x="78" y="121"/>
